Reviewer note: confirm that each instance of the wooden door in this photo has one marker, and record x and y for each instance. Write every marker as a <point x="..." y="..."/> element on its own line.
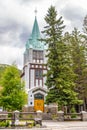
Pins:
<point x="39" y="102"/>
<point x="39" y="105"/>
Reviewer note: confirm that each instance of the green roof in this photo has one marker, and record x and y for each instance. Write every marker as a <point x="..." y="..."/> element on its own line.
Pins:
<point x="34" y="40"/>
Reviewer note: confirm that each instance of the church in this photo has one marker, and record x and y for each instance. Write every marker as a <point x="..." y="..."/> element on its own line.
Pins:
<point x="34" y="68"/>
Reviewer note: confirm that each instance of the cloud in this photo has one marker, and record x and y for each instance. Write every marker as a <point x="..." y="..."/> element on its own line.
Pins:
<point x="74" y="16"/>
<point x="10" y="35"/>
<point x="73" y="13"/>
<point x="17" y="18"/>
<point x="11" y="54"/>
<point x="29" y="1"/>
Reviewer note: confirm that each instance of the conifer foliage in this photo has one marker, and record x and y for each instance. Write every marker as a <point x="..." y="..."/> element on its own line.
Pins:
<point x="60" y="77"/>
<point x="79" y="56"/>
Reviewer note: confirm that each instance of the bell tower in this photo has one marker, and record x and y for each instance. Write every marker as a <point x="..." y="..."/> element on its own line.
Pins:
<point x="34" y="69"/>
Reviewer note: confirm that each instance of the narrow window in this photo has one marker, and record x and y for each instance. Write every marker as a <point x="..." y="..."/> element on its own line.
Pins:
<point x="38" y="73"/>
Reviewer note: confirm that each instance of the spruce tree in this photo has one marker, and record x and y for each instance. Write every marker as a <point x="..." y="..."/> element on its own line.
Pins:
<point x="59" y="75"/>
<point x="78" y="53"/>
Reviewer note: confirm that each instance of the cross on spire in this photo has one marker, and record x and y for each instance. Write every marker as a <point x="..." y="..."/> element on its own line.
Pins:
<point x="35" y="12"/>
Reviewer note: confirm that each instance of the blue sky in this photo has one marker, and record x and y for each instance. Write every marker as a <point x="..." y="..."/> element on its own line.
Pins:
<point x="17" y="17"/>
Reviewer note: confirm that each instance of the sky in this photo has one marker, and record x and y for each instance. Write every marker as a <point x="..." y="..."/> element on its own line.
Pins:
<point x="17" y="18"/>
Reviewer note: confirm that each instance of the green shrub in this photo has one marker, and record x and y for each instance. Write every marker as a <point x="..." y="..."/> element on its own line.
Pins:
<point x="30" y="124"/>
<point x="7" y="123"/>
<point x="30" y="116"/>
<point x="4" y="124"/>
<point x="54" y="116"/>
<point x="73" y="111"/>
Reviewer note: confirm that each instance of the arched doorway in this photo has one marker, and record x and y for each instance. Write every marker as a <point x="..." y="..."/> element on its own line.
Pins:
<point x="39" y="102"/>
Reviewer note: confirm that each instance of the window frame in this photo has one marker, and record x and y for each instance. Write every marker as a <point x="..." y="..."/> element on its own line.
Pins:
<point x="38" y="73"/>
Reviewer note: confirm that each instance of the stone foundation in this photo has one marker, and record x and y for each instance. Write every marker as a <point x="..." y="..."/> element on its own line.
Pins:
<point x="31" y="109"/>
<point x="28" y="109"/>
<point x="51" y="108"/>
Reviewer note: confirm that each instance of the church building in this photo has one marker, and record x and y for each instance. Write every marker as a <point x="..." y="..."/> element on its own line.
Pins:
<point x="34" y="68"/>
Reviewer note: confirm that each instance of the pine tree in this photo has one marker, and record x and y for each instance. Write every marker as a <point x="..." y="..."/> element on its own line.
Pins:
<point x="59" y="75"/>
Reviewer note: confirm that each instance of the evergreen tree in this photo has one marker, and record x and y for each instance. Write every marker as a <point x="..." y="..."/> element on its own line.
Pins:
<point x="77" y="46"/>
<point x="13" y="96"/>
<point x="59" y="75"/>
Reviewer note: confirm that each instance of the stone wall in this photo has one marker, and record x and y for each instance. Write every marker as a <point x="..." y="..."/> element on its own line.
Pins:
<point x="60" y="116"/>
<point x="46" y="116"/>
<point x="51" y="108"/>
<point x="28" y="109"/>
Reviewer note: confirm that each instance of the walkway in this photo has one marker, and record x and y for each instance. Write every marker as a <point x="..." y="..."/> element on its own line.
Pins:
<point x="76" y="125"/>
<point x="54" y="125"/>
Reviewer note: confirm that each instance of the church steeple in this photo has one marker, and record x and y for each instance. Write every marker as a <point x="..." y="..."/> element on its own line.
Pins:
<point x="34" y="40"/>
<point x="34" y="69"/>
<point x="35" y="31"/>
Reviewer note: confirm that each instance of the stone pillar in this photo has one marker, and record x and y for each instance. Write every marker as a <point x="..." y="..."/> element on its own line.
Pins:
<point x="15" y="118"/>
<point x="39" y="114"/>
<point x="84" y="115"/>
<point x="60" y="115"/>
<point x="46" y="109"/>
<point x="38" y="119"/>
<point x="3" y="115"/>
<point x="53" y="108"/>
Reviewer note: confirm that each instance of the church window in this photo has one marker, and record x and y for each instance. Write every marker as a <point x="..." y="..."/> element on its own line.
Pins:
<point x="38" y="96"/>
<point x="34" y="54"/>
<point x="38" y="73"/>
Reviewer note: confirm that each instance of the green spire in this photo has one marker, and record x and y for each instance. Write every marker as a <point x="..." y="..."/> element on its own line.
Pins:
<point x="33" y="41"/>
<point x="35" y="31"/>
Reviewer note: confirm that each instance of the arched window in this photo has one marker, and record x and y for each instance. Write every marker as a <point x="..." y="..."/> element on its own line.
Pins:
<point x="39" y="96"/>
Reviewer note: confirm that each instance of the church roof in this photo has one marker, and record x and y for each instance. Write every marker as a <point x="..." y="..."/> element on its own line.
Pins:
<point x="34" y="40"/>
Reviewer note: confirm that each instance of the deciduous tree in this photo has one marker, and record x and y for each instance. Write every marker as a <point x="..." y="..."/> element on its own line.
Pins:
<point x="13" y="96"/>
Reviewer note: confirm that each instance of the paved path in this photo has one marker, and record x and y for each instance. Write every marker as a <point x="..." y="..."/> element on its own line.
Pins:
<point x="51" y="125"/>
<point x="76" y="125"/>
